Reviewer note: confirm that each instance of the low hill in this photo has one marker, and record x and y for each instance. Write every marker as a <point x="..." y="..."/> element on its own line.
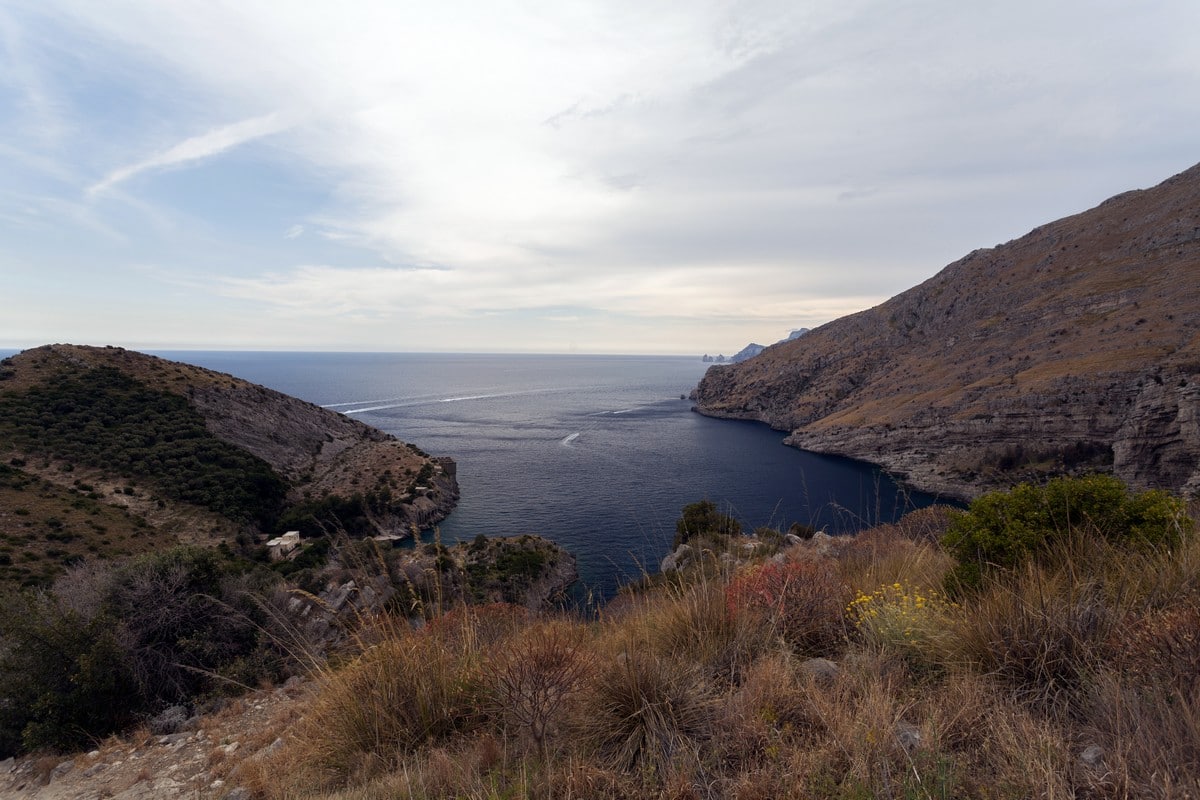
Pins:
<point x="1073" y="348"/>
<point x="143" y="450"/>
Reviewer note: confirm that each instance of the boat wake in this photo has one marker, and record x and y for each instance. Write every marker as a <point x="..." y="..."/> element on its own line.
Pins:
<point x="408" y="402"/>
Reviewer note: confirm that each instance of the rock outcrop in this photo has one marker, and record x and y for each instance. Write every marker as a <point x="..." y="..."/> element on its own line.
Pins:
<point x="749" y="351"/>
<point x="1073" y="348"/>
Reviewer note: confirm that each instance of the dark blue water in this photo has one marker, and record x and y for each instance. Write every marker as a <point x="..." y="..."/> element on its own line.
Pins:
<point x="597" y="453"/>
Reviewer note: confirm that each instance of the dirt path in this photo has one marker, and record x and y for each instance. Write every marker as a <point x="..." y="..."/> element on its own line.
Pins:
<point x="198" y="763"/>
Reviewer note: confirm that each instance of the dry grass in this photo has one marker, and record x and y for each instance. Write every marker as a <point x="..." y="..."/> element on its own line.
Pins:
<point x="696" y="690"/>
<point x="692" y="623"/>
<point x="533" y="678"/>
<point x="1040" y="633"/>
<point x="892" y="554"/>
<point x="800" y="602"/>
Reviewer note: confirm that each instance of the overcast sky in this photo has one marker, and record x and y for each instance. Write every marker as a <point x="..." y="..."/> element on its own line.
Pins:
<point x="558" y="176"/>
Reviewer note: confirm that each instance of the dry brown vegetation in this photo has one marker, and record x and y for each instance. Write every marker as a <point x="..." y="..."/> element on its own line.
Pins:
<point x="843" y="673"/>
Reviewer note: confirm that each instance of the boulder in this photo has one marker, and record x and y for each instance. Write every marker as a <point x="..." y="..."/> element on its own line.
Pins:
<point x="678" y="559"/>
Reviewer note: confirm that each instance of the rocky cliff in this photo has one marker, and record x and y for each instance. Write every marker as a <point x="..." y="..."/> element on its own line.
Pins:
<point x="1073" y="348"/>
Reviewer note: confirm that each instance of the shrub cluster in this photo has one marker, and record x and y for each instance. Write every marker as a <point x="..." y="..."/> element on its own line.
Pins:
<point x="1002" y="529"/>
<point x="702" y="519"/>
<point x="103" y="418"/>
<point x="109" y="645"/>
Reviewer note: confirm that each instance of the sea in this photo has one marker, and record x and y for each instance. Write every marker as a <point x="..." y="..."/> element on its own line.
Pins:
<point x="597" y="453"/>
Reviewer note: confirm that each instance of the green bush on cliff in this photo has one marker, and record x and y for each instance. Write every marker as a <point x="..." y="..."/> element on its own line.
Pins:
<point x="1002" y="529"/>
<point x="703" y="519"/>
<point x="64" y="677"/>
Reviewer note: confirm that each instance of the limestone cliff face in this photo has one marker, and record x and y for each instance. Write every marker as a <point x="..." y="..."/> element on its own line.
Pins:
<point x="324" y="453"/>
<point x="1074" y="347"/>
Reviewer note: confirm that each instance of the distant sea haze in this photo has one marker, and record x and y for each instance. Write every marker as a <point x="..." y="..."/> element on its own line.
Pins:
<point x="597" y="453"/>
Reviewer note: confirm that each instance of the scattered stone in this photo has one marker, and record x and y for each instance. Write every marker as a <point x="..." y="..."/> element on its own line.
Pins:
<point x="169" y="720"/>
<point x="231" y="748"/>
<point x="94" y="770"/>
<point x="1092" y="756"/>
<point x="678" y="559"/>
<point x="61" y="769"/>
<point x="908" y="735"/>
<point x="7" y="765"/>
<point x="821" y="670"/>
<point x="174" y="738"/>
<point x="238" y="793"/>
<point x="341" y="595"/>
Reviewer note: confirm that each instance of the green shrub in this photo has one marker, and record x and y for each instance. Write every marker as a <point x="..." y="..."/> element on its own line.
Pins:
<point x="64" y="678"/>
<point x="183" y="619"/>
<point x="702" y="519"/>
<point x="1002" y="529"/>
<point x="107" y="647"/>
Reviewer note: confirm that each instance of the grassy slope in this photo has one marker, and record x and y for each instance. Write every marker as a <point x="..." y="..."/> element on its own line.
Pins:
<point x="44" y="527"/>
<point x="1077" y="678"/>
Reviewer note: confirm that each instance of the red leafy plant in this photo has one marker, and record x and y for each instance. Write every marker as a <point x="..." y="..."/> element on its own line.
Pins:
<point x="803" y="602"/>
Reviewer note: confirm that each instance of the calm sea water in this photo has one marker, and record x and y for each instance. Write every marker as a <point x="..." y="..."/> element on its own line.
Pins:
<point x="597" y="453"/>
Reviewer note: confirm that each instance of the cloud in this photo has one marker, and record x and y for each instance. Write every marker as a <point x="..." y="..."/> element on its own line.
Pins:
<point x="196" y="148"/>
<point x="683" y="165"/>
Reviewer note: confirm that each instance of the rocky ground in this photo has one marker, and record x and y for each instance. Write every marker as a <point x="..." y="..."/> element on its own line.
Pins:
<point x="200" y="760"/>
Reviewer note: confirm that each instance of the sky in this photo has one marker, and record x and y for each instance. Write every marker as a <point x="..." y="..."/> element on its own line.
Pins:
<point x="553" y="175"/>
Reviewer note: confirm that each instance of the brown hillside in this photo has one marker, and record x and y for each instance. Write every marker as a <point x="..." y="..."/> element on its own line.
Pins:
<point x="316" y="453"/>
<point x="1074" y="347"/>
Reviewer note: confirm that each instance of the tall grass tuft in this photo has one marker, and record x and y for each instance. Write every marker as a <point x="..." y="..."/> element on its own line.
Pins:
<point x="409" y="689"/>
<point x="643" y="715"/>
<point x="1040" y="631"/>
<point x="1148" y="738"/>
<point x="691" y="623"/>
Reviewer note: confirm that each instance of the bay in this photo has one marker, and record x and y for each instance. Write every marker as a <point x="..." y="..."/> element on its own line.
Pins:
<point x="597" y="453"/>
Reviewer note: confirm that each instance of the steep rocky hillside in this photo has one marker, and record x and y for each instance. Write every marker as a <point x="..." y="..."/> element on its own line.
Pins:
<point x="148" y="447"/>
<point x="1075" y="347"/>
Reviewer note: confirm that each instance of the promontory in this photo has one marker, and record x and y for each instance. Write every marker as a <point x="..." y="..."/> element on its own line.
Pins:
<point x="1074" y="348"/>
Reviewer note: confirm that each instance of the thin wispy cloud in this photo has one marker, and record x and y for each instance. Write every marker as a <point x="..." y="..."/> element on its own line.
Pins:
<point x="195" y="148"/>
